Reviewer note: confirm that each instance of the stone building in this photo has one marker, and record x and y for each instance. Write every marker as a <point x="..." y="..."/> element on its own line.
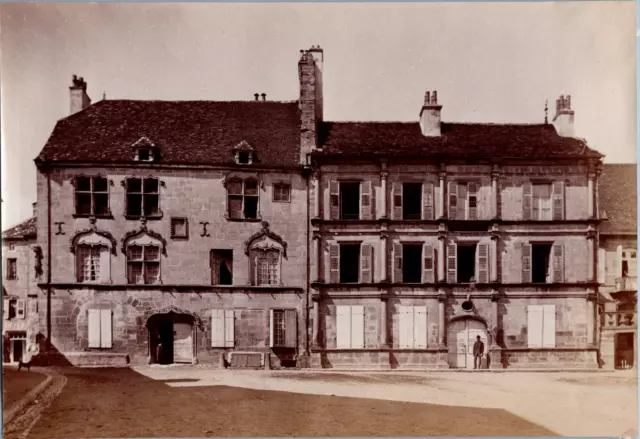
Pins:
<point x="428" y="234"/>
<point x="618" y="266"/>
<point x="173" y="231"/>
<point x="21" y="266"/>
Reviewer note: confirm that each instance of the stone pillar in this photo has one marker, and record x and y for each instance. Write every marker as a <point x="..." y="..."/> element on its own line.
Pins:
<point x="493" y="265"/>
<point x="495" y="176"/>
<point x="441" y="177"/>
<point x="315" y="265"/>
<point x="442" y="330"/>
<point x="383" y="256"/>
<point x="495" y="351"/>
<point x="384" y="175"/>
<point x="591" y="254"/>
<point x="384" y="322"/>
<point x="591" y="320"/>
<point x="441" y="256"/>
<point x="316" y="343"/>
<point x="592" y="195"/>
<point x="315" y="184"/>
<point x="318" y="254"/>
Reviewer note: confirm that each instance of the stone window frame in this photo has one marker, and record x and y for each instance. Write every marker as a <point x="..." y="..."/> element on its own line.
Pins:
<point x="281" y="185"/>
<point x="12" y="269"/>
<point x="75" y="181"/>
<point x="146" y="145"/>
<point x="125" y="183"/>
<point x="175" y="235"/>
<point x="93" y="237"/>
<point x="243" y="180"/>
<point x="144" y="263"/>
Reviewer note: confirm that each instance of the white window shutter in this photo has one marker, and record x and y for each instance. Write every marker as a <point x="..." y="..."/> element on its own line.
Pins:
<point x="291" y="328"/>
<point x="482" y="263"/>
<point x="357" y="326"/>
<point x="472" y="187"/>
<point x="527" y="201"/>
<point x="462" y="201"/>
<point x="5" y="309"/>
<point x="229" y="328"/>
<point x="558" y="200"/>
<point x="106" y="338"/>
<point x="271" y="324"/>
<point x="602" y="265"/>
<point x="105" y="265"/>
<point x="366" y="208"/>
<point x="33" y="307"/>
<point x="428" y="257"/>
<point x="21" y="308"/>
<point x="334" y="200"/>
<point x="549" y="326"/>
<point x="420" y="327"/>
<point x="94" y="327"/>
<point x="343" y="327"/>
<point x="366" y="264"/>
<point x="427" y="201"/>
<point x="334" y="263"/>
<point x="217" y="328"/>
<point x="452" y="263"/>
<point x="453" y="199"/>
<point x="526" y="262"/>
<point x="405" y="327"/>
<point x="619" y="260"/>
<point x="534" y="326"/>
<point x="397" y="201"/>
<point x="397" y="262"/>
<point x="558" y="263"/>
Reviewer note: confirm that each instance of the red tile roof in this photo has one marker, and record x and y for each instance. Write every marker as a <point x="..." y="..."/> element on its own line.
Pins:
<point x="618" y="198"/>
<point x="467" y="140"/>
<point x="188" y="132"/>
<point x="23" y="230"/>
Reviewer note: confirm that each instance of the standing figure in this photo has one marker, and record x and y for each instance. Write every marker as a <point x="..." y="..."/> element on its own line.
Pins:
<point x="478" y="352"/>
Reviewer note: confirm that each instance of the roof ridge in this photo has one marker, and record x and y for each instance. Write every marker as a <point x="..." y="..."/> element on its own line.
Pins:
<point x="443" y="122"/>
<point x="197" y="101"/>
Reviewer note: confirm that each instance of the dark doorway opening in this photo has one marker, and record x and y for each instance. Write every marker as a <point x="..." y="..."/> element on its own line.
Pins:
<point x="466" y="262"/>
<point x="624" y="350"/>
<point x="171" y="338"/>
<point x="412" y="266"/>
<point x="18" y="346"/>
<point x="540" y="254"/>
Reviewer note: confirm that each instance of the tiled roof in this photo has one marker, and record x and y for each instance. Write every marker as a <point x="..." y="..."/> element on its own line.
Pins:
<point x="23" y="230"/>
<point x="200" y="132"/>
<point x="618" y="198"/>
<point x="366" y="139"/>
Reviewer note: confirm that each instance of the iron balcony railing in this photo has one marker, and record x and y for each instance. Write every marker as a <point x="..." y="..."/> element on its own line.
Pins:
<point x="627" y="283"/>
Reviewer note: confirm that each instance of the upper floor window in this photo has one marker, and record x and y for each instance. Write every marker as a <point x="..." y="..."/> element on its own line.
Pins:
<point x="267" y="266"/>
<point x="88" y="258"/>
<point x="145" y="150"/>
<point x="281" y="193"/>
<point x="463" y="200"/>
<point x="413" y="201"/>
<point x="350" y="200"/>
<point x="12" y="269"/>
<point x="92" y="196"/>
<point x="93" y="256"/>
<point x="542" y="262"/>
<point x="242" y="198"/>
<point x="14" y="308"/>
<point x="629" y="263"/>
<point x="143" y="264"/>
<point x="179" y="228"/>
<point x="468" y="262"/>
<point x="221" y="262"/>
<point x="243" y="153"/>
<point x="351" y="263"/>
<point x="143" y="197"/>
<point x="543" y="201"/>
<point x="414" y="263"/>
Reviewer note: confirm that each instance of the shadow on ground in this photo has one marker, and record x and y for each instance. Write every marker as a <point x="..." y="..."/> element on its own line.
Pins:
<point x="123" y="403"/>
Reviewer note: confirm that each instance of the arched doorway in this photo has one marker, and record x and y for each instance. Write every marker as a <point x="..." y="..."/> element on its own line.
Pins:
<point x="172" y="337"/>
<point x="461" y="335"/>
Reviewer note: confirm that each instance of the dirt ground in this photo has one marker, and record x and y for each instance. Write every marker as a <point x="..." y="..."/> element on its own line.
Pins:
<point x="16" y="384"/>
<point x="123" y="403"/>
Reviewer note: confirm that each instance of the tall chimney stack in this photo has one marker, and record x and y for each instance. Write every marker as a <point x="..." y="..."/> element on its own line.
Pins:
<point x="311" y="101"/>
<point x="430" y="115"/>
<point x="563" y="120"/>
<point x="78" y="95"/>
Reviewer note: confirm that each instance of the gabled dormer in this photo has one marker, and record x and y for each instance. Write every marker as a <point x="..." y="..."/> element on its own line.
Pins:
<point x="145" y="150"/>
<point x="244" y="153"/>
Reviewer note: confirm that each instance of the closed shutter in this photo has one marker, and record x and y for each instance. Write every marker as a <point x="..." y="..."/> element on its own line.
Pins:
<point x="33" y="307"/>
<point x="558" y="200"/>
<point x="558" y="263"/>
<point x="619" y="261"/>
<point x="271" y="329"/>
<point x="105" y="265"/>
<point x="334" y="263"/>
<point x="549" y="326"/>
<point x="526" y="262"/>
<point x="405" y="326"/>
<point x="21" y="308"/>
<point x="527" y="200"/>
<point x="473" y="200"/>
<point x="462" y="198"/>
<point x="397" y="262"/>
<point x="428" y="275"/>
<point x="229" y="328"/>
<point x="602" y="265"/>
<point x="453" y="199"/>
<point x="217" y="328"/>
<point x="334" y="200"/>
<point x="214" y="263"/>
<point x="105" y="328"/>
<point x="427" y="201"/>
<point x="420" y="327"/>
<point x="291" y="328"/>
<point x="483" y="263"/>
<point x="357" y="327"/>
<point x="452" y="263"/>
<point x="366" y="209"/>
<point x="534" y="326"/>
<point x="343" y="327"/>
<point x="94" y="328"/>
<point x="5" y="309"/>
<point x="366" y="263"/>
<point x="397" y="201"/>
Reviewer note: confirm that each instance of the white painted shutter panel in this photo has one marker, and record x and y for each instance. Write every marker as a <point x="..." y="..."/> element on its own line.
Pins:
<point x="427" y="201"/>
<point x="334" y="263"/>
<point x="472" y="187"/>
<point x="105" y="265"/>
<point x="483" y="263"/>
<point x="428" y="256"/>
<point x="405" y="323"/>
<point x="94" y="328"/>
<point x="105" y="328"/>
<point x="366" y="264"/>
<point x="420" y="327"/>
<point x="602" y="265"/>
<point x="526" y="262"/>
<point x="397" y="262"/>
<point x="271" y="323"/>
<point x="397" y="201"/>
<point x="452" y="263"/>
<point x="357" y="326"/>
<point x="462" y="200"/>
<point x="366" y="209"/>
<point x="549" y="326"/>
<point x="534" y="326"/>
<point x="558" y="263"/>
<point x="33" y="307"/>
<point x="527" y="201"/>
<point x="217" y="328"/>
<point x="229" y="329"/>
<point x="558" y="200"/>
<point x="21" y="308"/>
<point x="5" y="309"/>
<point x="453" y="199"/>
<point x="343" y="327"/>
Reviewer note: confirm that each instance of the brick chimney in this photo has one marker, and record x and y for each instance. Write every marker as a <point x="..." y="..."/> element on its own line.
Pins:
<point x="430" y="115"/>
<point x="78" y="95"/>
<point x="310" y="75"/>
<point x="563" y="120"/>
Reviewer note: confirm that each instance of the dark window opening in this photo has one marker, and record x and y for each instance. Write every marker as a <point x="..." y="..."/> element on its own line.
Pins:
<point x="143" y="197"/>
<point x="412" y="197"/>
<point x="466" y="263"/>
<point x="221" y="267"/>
<point x="625" y="268"/>
<point x="349" y="263"/>
<point x="179" y="228"/>
<point x="13" y="308"/>
<point x="12" y="269"/>
<point x="144" y="155"/>
<point x="540" y="254"/>
<point x="350" y="200"/>
<point x="411" y="257"/>
<point x="243" y="157"/>
<point x="92" y="196"/>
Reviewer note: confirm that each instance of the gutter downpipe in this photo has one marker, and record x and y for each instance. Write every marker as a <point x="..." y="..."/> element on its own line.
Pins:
<point x="48" y="261"/>
<point x="307" y="171"/>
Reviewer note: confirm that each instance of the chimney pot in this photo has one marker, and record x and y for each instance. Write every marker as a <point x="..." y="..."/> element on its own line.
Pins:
<point x="430" y="115"/>
<point x="256" y="96"/>
<point x="434" y="98"/>
<point x="264" y="96"/>
<point x="563" y="120"/>
<point x="79" y="99"/>
<point x="427" y="98"/>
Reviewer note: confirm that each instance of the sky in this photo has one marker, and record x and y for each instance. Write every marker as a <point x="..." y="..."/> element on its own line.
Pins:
<point x="489" y="62"/>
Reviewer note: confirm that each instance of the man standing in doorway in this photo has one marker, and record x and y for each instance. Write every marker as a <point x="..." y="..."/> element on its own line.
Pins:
<point x="478" y="352"/>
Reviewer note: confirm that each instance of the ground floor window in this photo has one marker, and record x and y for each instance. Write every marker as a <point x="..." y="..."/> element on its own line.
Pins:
<point x="222" y="328"/>
<point x="100" y="328"/>
<point x="541" y="326"/>
<point x="283" y="331"/>
<point x="412" y="326"/>
<point x="349" y="326"/>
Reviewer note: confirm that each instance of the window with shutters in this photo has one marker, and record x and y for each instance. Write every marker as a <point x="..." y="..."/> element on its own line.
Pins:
<point x="463" y="200"/>
<point x="541" y="326"/>
<point x="350" y="327"/>
<point x="242" y="199"/>
<point x="466" y="263"/>
<point x="143" y="197"/>
<point x="540" y="266"/>
<point x="283" y="332"/>
<point x="412" y="263"/>
<point x="629" y="263"/>
<point x="221" y="262"/>
<point x="92" y="196"/>
<point x="542" y="262"/>
<point x="350" y="201"/>
<point x="281" y="193"/>
<point x="143" y="264"/>
<point x="10" y="309"/>
<point x="12" y="269"/>
<point x="349" y="261"/>
<point x="412" y="201"/>
<point x="541" y="202"/>
<point x="222" y="328"/>
<point x="100" y="328"/>
<point x="179" y="228"/>
<point x="412" y="327"/>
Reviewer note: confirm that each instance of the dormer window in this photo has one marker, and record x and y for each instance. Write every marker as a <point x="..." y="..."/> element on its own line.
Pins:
<point x="243" y="153"/>
<point x="243" y="158"/>
<point x="144" y="155"/>
<point x="145" y="150"/>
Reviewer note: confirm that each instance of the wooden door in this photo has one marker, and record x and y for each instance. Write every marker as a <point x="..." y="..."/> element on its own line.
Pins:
<point x="182" y="343"/>
<point x="457" y="341"/>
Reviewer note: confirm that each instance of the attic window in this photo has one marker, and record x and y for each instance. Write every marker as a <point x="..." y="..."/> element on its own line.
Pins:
<point x="243" y="158"/>
<point x="144" y="155"/>
<point x="145" y="150"/>
<point x="243" y="153"/>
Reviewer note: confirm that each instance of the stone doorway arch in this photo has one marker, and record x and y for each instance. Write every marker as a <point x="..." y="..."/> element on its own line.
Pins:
<point x="462" y="332"/>
<point x="172" y="335"/>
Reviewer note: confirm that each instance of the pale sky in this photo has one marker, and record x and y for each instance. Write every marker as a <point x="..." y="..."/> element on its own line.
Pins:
<point x="490" y="62"/>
